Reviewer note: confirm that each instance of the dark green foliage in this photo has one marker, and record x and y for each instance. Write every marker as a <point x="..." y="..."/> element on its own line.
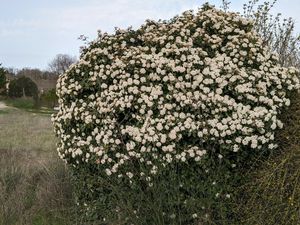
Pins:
<point x="2" y="80"/>
<point x="23" y="87"/>
<point x="178" y="189"/>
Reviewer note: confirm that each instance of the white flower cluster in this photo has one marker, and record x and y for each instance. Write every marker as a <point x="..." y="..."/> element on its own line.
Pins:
<point x="171" y="91"/>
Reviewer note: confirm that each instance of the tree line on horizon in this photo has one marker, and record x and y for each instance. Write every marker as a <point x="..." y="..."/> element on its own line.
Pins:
<point x="34" y="83"/>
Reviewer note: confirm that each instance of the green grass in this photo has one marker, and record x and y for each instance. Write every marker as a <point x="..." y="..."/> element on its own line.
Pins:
<point x="28" y="105"/>
<point x="3" y="111"/>
<point x="22" y="103"/>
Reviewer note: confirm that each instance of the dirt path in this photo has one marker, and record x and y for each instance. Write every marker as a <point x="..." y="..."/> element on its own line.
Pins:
<point x="3" y="105"/>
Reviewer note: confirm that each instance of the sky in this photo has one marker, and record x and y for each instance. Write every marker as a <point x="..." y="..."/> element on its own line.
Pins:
<point x="32" y="32"/>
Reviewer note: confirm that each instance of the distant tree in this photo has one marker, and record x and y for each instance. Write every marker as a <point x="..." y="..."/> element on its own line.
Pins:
<point x="23" y="87"/>
<point x="61" y="63"/>
<point x="11" y="70"/>
<point x="47" y="75"/>
<point x="277" y="33"/>
<point x="2" y="80"/>
<point x="2" y="77"/>
<point x="33" y="74"/>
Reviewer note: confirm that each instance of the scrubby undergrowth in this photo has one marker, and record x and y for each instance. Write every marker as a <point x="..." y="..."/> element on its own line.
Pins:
<point x="271" y="192"/>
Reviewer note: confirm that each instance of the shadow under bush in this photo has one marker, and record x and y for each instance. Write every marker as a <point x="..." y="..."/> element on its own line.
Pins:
<point x="177" y="194"/>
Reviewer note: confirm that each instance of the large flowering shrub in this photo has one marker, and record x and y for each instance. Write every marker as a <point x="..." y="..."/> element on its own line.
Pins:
<point x="197" y="88"/>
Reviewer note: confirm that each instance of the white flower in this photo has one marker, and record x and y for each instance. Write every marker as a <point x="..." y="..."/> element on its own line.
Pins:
<point x="159" y="126"/>
<point x="108" y="172"/>
<point x="129" y="174"/>
<point x="273" y="126"/>
<point x="172" y="134"/>
<point x="143" y="71"/>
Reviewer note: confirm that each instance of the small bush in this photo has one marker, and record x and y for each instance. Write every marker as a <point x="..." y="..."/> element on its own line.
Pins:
<point x="23" y="87"/>
<point x="49" y="98"/>
<point x="156" y="122"/>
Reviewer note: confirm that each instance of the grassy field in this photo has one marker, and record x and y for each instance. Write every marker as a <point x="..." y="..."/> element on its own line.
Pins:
<point x="35" y="185"/>
<point x="27" y="131"/>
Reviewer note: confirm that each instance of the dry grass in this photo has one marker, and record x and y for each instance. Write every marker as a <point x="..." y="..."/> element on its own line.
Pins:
<point x="272" y="194"/>
<point x="31" y="191"/>
<point x="27" y="131"/>
<point x="35" y="187"/>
